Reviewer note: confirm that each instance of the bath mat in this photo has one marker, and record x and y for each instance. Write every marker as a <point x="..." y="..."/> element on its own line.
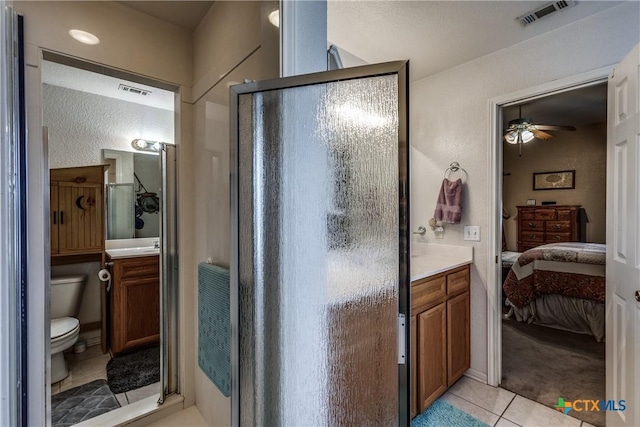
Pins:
<point x="82" y="403"/>
<point x="443" y="414"/>
<point x="134" y="370"/>
<point x="214" y="325"/>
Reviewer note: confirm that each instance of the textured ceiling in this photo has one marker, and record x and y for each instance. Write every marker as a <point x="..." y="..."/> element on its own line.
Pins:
<point x="437" y="35"/>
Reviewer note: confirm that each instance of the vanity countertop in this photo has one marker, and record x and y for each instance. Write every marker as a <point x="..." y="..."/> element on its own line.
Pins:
<point x="131" y="248"/>
<point x="428" y="259"/>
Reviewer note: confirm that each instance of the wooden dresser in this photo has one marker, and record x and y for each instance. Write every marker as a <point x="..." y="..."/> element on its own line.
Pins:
<point x="538" y="225"/>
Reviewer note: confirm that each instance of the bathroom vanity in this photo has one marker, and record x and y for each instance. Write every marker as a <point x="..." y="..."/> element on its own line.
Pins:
<point x="134" y="301"/>
<point x="440" y="315"/>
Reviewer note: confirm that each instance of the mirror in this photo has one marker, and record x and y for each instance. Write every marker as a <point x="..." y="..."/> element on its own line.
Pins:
<point x="132" y="188"/>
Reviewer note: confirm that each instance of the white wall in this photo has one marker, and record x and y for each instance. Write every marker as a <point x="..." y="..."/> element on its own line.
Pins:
<point x="449" y="122"/>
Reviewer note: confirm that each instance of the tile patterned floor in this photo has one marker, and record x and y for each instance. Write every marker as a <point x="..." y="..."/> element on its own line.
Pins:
<point x="502" y="408"/>
<point x="92" y="365"/>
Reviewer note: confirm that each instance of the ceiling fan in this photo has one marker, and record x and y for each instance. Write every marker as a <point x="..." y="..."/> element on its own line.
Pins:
<point x="522" y="130"/>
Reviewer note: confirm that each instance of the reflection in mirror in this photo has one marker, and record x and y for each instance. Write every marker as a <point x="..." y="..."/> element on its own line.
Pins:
<point x="133" y="186"/>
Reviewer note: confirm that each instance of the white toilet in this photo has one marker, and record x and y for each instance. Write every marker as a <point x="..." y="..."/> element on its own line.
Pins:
<point x="66" y="294"/>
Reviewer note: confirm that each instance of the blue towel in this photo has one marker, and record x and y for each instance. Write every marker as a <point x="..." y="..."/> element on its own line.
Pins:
<point x="214" y="325"/>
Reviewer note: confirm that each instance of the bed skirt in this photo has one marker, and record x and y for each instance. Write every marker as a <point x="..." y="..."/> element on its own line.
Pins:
<point x="571" y="314"/>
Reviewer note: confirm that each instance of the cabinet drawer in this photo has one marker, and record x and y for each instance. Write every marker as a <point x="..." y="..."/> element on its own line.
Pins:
<point x="559" y="226"/>
<point x="558" y="237"/>
<point x="139" y="267"/>
<point x="564" y="214"/>
<point x="458" y="281"/>
<point x="426" y="292"/>
<point x="545" y="214"/>
<point x="532" y="236"/>
<point x="532" y="225"/>
<point x="526" y="214"/>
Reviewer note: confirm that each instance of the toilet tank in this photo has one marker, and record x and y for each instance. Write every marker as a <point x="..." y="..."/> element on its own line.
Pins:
<point x="66" y="294"/>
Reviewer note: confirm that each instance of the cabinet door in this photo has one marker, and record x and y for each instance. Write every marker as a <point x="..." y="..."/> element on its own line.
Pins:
<point x="135" y="303"/>
<point x="458" y="337"/>
<point x="414" y="366"/>
<point x="54" y="218"/>
<point x="80" y="218"/>
<point x="432" y="371"/>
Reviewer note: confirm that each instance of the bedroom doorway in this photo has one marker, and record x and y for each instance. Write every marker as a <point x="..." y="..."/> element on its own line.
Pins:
<point x="554" y="208"/>
<point x="499" y="107"/>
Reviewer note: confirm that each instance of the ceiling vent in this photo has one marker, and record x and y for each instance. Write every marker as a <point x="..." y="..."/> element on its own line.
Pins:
<point x="548" y="9"/>
<point x="134" y="90"/>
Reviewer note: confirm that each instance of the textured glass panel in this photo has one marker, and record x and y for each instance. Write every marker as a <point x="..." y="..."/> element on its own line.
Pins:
<point x="120" y="211"/>
<point x="319" y="254"/>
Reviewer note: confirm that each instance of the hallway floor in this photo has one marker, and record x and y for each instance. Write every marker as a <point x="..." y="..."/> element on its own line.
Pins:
<point x="501" y="408"/>
<point x="92" y="365"/>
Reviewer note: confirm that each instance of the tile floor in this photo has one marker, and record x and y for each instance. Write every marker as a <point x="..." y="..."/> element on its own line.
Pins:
<point x="92" y="365"/>
<point x="501" y="408"/>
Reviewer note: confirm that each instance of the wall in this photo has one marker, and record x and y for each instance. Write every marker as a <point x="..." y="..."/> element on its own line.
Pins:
<point x="449" y="122"/>
<point x="233" y="42"/>
<point x="584" y="150"/>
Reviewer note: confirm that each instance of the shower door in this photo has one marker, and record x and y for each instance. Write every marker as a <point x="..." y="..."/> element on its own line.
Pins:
<point x="320" y="268"/>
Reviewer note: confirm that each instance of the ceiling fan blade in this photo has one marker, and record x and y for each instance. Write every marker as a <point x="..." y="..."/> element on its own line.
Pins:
<point x="542" y="135"/>
<point x="555" y="127"/>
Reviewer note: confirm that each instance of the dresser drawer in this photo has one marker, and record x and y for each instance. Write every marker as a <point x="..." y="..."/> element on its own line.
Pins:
<point x="558" y="237"/>
<point x="458" y="281"/>
<point x="565" y="214"/>
<point x="559" y="226"/>
<point x="532" y="236"/>
<point x="527" y="214"/>
<point x="532" y="225"/>
<point x="426" y="292"/>
<point x="545" y="214"/>
<point x="524" y="246"/>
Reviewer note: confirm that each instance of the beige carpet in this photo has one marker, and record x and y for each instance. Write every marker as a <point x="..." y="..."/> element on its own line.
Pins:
<point x="543" y="364"/>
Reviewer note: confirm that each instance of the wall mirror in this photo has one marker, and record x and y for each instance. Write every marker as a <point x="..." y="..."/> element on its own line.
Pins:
<point x="132" y="194"/>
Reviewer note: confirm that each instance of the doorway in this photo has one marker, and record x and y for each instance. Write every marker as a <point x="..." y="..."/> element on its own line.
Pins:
<point x="111" y="209"/>
<point x="497" y="127"/>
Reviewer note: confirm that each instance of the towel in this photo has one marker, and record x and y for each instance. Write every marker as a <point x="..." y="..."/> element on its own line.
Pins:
<point x="449" y="206"/>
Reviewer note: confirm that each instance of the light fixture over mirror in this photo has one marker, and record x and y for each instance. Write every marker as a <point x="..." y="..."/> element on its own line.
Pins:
<point x="144" y="145"/>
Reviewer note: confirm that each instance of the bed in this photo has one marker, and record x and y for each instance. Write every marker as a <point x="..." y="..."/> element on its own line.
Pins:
<point x="560" y="285"/>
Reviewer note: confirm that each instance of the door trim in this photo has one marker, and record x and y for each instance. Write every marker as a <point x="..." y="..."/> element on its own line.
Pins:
<point x="494" y="218"/>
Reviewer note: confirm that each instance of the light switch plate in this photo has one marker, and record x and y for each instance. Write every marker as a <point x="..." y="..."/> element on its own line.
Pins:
<point x="472" y="232"/>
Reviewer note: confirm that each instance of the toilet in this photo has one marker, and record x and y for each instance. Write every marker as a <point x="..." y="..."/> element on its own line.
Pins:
<point x="66" y="294"/>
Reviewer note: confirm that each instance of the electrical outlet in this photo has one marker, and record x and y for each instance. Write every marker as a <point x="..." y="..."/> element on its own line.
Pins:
<point x="472" y="232"/>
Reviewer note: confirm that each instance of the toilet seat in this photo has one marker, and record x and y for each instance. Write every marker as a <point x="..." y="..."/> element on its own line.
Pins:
<point x="63" y="327"/>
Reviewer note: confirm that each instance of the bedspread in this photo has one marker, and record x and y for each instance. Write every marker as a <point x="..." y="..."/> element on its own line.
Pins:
<point x="573" y="269"/>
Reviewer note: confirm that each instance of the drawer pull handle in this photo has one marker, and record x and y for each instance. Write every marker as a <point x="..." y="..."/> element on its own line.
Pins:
<point x="532" y="224"/>
<point x="557" y="237"/>
<point x="532" y="236"/>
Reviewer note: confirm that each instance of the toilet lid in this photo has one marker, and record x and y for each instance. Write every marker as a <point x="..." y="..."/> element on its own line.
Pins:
<point x="63" y="326"/>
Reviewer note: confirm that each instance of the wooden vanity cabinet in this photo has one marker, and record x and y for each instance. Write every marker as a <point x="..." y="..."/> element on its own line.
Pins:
<point x="77" y="210"/>
<point x="440" y="337"/>
<point x="135" y="303"/>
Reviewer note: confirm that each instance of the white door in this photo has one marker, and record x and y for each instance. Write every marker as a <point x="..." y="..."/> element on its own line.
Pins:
<point x="623" y="243"/>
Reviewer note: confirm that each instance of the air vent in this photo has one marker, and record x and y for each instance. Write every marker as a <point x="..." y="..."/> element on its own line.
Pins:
<point x="135" y="90"/>
<point x="531" y="17"/>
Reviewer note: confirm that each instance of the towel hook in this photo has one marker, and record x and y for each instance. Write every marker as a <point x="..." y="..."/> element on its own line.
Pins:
<point x="453" y="168"/>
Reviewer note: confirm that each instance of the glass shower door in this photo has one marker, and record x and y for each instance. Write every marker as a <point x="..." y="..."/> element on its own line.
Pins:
<point x="320" y="270"/>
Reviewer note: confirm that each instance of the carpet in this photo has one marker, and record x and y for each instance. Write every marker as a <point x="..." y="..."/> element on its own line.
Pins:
<point x="443" y="414"/>
<point x="134" y="370"/>
<point x="82" y="403"/>
<point x="543" y="364"/>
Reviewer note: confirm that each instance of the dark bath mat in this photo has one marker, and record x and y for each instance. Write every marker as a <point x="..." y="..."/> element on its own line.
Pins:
<point x="82" y="403"/>
<point x="134" y="370"/>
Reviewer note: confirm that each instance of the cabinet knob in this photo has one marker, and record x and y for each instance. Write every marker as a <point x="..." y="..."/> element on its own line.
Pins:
<point x="532" y="224"/>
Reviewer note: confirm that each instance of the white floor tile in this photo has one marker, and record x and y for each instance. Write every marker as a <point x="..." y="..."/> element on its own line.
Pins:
<point x="528" y="413"/>
<point x="503" y="422"/>
<point x="143" y="392"/>
<point x="189" y="417"/>
<point x="471" y="409"/>
<point x="492" y="399"/>
<point x="122" y="399"/>
<point x="586" y="424"/>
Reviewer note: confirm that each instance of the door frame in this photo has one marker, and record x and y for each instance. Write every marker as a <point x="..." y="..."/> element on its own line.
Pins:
<point x="494" y="223"/>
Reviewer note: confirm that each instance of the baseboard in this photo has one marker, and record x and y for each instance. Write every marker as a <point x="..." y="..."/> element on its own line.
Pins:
<point x="474" y="374"/>
<point x="92" y="338"/>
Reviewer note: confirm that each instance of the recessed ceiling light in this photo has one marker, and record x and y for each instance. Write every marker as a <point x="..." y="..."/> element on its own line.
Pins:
<point x="84" y="37"/>
<point x="274" y="18"/>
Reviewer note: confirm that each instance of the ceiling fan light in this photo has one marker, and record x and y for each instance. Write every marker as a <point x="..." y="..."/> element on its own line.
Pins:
<point x="511" y="137"/>
<point x="527" y="136"/>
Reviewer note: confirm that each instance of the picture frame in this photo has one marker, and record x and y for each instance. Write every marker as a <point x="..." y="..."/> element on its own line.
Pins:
<point x="556" y="180"/>
<point x="531" y="202"/>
